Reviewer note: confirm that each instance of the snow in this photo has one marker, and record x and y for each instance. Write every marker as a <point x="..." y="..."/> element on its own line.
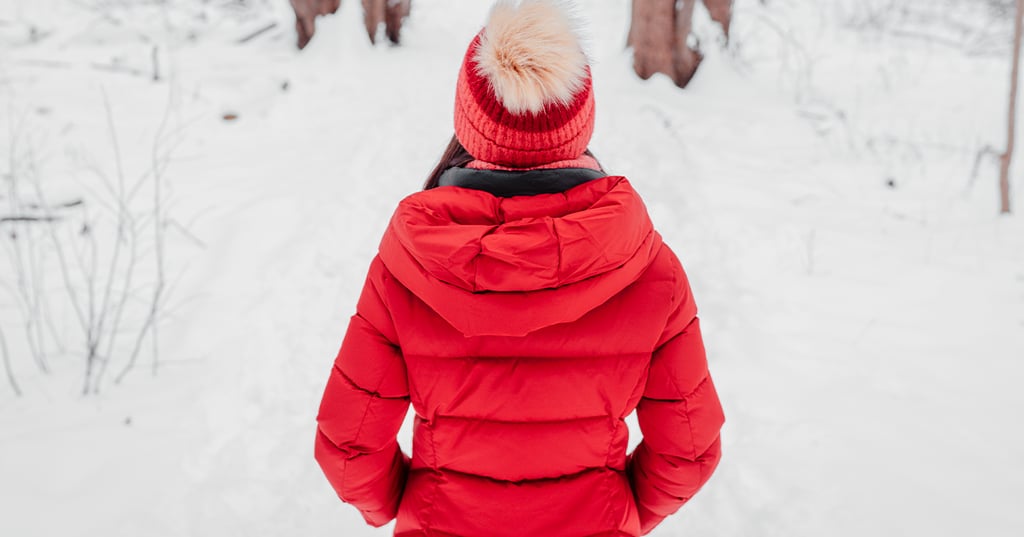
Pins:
<point x="866" y="339"/>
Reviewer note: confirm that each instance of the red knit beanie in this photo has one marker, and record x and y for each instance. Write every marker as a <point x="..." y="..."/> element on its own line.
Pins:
<point x="525" y="96"/>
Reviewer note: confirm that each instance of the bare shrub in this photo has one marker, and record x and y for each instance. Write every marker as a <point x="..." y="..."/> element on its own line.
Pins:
<point x="106" y="250"/>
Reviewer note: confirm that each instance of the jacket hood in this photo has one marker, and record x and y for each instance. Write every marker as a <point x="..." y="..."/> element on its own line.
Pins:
<point x="509" y="266"/>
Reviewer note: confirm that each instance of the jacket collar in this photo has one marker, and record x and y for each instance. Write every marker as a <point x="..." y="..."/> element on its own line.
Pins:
<point x="507" y="184"/>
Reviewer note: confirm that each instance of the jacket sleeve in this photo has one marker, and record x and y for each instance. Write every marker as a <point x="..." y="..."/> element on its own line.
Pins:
<point x="680" y="417"/>
<point x="363" y="406"/>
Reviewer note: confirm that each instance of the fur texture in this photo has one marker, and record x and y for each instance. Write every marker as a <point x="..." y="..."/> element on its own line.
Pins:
<point x="531" y="54"/>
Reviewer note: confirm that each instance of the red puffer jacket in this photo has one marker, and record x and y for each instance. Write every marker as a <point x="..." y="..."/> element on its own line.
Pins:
<point x="523" y="331"/>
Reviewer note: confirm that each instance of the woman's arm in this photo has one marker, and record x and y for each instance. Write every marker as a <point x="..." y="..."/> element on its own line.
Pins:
<point x="364" y="404"/>
<point x="680" y="417"/>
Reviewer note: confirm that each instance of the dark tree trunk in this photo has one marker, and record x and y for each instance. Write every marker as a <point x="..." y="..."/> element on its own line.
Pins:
<point x="721" y="12"/>
<point x="396" y="13"/>
<point x="373" y="16"/>
<point x="390" y="13"/>
<point x="685" y="59"/>
<point x="660" y="33"/>
<point x="306" y="12"/>
<point x="652" y="34"/>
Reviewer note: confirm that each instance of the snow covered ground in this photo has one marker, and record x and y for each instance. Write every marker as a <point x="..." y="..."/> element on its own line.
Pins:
<point x="862" y="301"/>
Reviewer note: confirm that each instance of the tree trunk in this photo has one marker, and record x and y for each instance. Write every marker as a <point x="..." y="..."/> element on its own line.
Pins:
<point x="306" y="12"/>
<point x="373" y="16"/>
<point x="686" y="60"/>
<point x="653" y="34"/>
<point x="660" y="33"/>
<point x="1007" y="158"/>
<point x="397" y="11"/>
<point x="390" y="13"/>
<point x="721" y="12"/>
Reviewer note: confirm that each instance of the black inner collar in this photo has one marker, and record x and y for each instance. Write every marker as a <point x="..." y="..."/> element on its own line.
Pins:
<point x="505" y="184"/>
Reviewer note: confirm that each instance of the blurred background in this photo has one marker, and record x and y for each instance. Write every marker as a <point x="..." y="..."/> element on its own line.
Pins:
<point x="189" y="203"/>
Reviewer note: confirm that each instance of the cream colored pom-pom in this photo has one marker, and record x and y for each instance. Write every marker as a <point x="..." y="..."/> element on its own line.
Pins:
<point x="531" y="54"/>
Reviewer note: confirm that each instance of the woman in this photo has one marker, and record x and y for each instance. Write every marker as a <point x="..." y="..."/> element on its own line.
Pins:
<point x="524" y="305"/>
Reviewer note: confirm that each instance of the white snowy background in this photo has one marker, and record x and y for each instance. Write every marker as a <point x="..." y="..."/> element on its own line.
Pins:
<point x="862" y="299"/>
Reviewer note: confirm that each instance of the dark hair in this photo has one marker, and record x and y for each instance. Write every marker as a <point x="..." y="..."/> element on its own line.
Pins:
<point x="456" y="156"/>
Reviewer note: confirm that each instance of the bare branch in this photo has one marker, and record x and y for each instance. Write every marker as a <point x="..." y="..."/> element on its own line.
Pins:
<point x="987" y="151"/>
<point x="150" y="324"/>
<point x="25" y="275"/>
<point x="1007" y="158"/>
<point x="123" y="220"/>
<point x="61" y="257"/>
<point x="7" y="363"/>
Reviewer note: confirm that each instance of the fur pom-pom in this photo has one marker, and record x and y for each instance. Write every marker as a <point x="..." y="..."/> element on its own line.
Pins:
<point x="531" y="54"/>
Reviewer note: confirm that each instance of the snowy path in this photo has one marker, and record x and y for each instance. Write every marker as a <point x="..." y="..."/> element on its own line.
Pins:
<point x="866" y="340"/>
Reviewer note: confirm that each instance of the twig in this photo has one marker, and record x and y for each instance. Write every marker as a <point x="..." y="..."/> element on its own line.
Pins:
<point x="48" y="315"/>
<point x="25" y="275"/>
<point x="156" y="64"/>
<point x="53" y="64"/>
<point x="38" y="293"/>
<point x="257" y="33"/>
<point x="66" y="205"/>
<point x="987" y="151"/>
<point x="123" y="218"/>
<point x="150" y="324"/>
<point x="7" y="363"/>
<point x="117" y="69"/>
<point x="119" y="311"/>
<point x="187" y="233"/>
<point x="91" y="333"/>
<point x="928" y="38"/>
<point x="61" y="257"/>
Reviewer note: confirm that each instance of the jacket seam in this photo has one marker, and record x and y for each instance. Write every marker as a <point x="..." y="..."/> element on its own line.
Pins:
<point x="587" y="470"/>
<point x="428" y="517"/>
<point x="689" y="427"/>
<point x="538" y="358"/>
<point x="372" y="393"/>
<point x="522" y="421"/>
<point x="381" y="291"/>
<point x="682" y="397"/>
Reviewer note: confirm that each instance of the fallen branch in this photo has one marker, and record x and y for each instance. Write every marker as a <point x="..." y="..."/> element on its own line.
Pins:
<point x="5" y="219"/>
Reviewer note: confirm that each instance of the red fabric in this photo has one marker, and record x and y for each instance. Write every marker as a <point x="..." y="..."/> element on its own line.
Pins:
<point x="522" y="331"/>
<point x="493" y="134"/>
